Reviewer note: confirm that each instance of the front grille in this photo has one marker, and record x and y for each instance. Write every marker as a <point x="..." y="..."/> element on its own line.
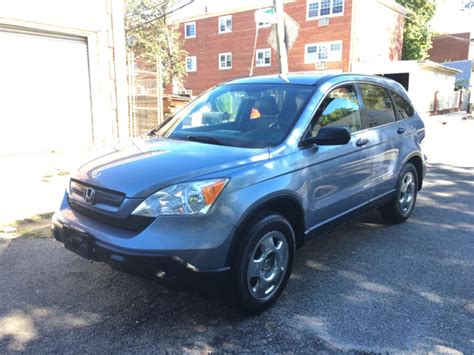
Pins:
<point x="131" y="223"/>
<point x="102" y="195"/>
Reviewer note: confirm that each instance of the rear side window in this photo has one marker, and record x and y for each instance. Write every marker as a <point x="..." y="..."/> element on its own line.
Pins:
<point x="404" y="109"/>
<point x="378" y="104"/>
<point x="339" y="108"/>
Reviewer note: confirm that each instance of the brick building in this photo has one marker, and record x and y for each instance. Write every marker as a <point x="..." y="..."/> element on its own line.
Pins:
<point x="222" y="40"/>
<point x="450" y="47"/>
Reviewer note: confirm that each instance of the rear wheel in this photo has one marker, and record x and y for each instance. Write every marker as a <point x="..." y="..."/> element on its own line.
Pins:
<point x="401" y="206"/>
<point x="263" y="262"/>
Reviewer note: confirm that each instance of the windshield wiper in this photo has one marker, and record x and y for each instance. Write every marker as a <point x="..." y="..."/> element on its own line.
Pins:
<point x="207" y="139"/>
<point x="154" y="131"/>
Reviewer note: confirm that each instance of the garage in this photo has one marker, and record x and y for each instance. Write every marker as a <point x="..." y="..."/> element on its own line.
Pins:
<point x="44" y="92"/>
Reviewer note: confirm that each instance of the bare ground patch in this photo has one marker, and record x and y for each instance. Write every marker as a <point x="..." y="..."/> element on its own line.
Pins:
<point x="36" y="226"/>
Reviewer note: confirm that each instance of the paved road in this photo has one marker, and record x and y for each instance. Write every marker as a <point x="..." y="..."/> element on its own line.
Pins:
<point x="366" y="287"/>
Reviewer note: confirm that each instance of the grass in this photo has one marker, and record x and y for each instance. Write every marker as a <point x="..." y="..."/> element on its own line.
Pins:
<point x="48" y="178"/>
<point x="36" y="226"/>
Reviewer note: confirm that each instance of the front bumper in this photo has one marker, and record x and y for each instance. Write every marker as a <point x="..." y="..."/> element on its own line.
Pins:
<point x="149" y="264"/>
<point x="168" y="246"/>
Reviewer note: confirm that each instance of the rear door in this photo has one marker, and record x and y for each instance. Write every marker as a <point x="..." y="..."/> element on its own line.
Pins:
<point x="383" y="136"/>
<point x="338" y="177"/>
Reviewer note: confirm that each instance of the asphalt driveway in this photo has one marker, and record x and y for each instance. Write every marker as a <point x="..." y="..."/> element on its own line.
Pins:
<point x="366" y="287"/>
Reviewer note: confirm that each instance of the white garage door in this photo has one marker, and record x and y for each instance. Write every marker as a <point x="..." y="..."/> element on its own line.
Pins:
<point x="45" y="102"/>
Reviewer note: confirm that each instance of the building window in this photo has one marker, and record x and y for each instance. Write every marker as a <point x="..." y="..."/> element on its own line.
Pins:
<point x="191" y="64"/>
<point x="336" y="46"/>
<point x="225" y="60"/>
<point x="323" y="52"/>
<point x="225" y="24"/>
<point x="190" y="30"/>
<point x="264" y="57"/>
<point x="337" y="6"/>
<point x="313" y="9"/>
<point x="323" y="8"/>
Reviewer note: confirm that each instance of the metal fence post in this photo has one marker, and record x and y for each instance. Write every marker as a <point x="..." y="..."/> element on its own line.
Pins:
<point x="131" y="95"/>
<point x="159" y="91"/>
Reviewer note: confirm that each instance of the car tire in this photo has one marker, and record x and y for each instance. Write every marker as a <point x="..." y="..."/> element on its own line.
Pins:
<point x="401" y="206"/>
<point x="263" y="262"/>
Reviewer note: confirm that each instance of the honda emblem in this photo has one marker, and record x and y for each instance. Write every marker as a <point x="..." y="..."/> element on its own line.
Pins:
<point x="89" y="194"/>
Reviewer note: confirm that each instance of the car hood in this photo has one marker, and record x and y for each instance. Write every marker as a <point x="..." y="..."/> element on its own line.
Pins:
<point x="145" y="165"/>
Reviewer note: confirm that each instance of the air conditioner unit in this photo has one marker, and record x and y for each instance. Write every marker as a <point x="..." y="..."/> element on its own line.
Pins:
<point x="321" y="66"/>
<point x="186" y="92"/>
<point x="323" y="21"/>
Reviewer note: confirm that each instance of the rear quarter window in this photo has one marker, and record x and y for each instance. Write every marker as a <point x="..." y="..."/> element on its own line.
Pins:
<point x="403" y="107"/>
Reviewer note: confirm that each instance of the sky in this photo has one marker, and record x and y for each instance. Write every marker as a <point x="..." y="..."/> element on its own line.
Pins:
<point x="452" y="17"/>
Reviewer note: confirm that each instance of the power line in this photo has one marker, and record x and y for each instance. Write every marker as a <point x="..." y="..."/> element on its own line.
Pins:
<point x="150" y="8"/>
<point x="159" y="16"/>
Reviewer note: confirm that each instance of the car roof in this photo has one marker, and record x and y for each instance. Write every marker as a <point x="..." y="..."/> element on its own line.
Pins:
<point x="305" y="78"/>
<point x="293" y="78"/>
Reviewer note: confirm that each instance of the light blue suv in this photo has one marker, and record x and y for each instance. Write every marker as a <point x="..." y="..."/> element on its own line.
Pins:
<point x="242" y="176"/>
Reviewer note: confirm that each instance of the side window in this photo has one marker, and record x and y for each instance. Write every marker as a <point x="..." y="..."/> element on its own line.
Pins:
<point x="378" y="104"/>
<point x="339" y="108"/>
<point x="404" y="109"/>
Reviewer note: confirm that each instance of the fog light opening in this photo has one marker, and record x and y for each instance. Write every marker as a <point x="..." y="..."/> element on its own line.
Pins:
<point x="164" y="274"/>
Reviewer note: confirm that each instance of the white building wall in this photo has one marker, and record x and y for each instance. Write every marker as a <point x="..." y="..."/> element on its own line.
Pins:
<point x="101" y="22"/>
<point x="423" y="83"/>
<point x="428" y="82"/>
<point x="373" y="21"/>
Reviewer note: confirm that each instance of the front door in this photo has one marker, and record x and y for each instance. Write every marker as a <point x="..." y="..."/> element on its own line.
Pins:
<point x="338" y="176"/>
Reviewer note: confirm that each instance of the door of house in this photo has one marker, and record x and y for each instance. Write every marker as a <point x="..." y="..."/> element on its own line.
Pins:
<point x="45" y="101"/>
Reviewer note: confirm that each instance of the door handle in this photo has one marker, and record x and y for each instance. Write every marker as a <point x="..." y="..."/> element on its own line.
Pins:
<point x="361" y="142"/>
<point x="400" y="130"/>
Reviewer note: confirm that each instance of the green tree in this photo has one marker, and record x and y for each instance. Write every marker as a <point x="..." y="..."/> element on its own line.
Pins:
<point x="417" y="34"/>
<point x="150" y="36"/>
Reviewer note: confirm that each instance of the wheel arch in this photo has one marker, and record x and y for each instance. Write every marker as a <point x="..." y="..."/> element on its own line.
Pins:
<point x="286" y="204"/>
<point x="417" y="161"/>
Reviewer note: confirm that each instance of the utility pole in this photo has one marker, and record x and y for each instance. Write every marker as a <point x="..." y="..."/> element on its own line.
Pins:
<point x="281" y="45"/>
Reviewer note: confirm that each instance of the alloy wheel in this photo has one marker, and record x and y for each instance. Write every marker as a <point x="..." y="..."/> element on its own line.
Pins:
<point x="267" y="265"/>
<point x="407" y="192"/>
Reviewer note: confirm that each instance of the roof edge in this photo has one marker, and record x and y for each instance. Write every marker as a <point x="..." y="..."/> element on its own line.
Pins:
<point x="391" y="4"/>
<point x="437" y="66"/>
<point x="201" y="16"/>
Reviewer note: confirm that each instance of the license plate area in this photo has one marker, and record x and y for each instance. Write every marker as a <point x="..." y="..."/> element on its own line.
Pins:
<point x="78" y="242"/>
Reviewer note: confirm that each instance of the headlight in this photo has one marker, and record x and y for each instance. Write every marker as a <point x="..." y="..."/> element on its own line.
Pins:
<point x="189" y="198"/>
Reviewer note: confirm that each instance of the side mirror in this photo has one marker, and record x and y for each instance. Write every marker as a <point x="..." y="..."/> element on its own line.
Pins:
<point x="329" y="135"/>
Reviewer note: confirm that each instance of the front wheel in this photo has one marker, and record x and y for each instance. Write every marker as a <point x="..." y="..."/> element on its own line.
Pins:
<point x="263" y="262"/>
<point x="401" y="206"/>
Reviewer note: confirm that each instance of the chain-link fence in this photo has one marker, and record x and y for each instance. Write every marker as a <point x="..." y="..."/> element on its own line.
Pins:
<point x="145" y="98"/>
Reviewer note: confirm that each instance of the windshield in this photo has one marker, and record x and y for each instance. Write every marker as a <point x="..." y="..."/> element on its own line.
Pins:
<point x="242" y="115"/>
